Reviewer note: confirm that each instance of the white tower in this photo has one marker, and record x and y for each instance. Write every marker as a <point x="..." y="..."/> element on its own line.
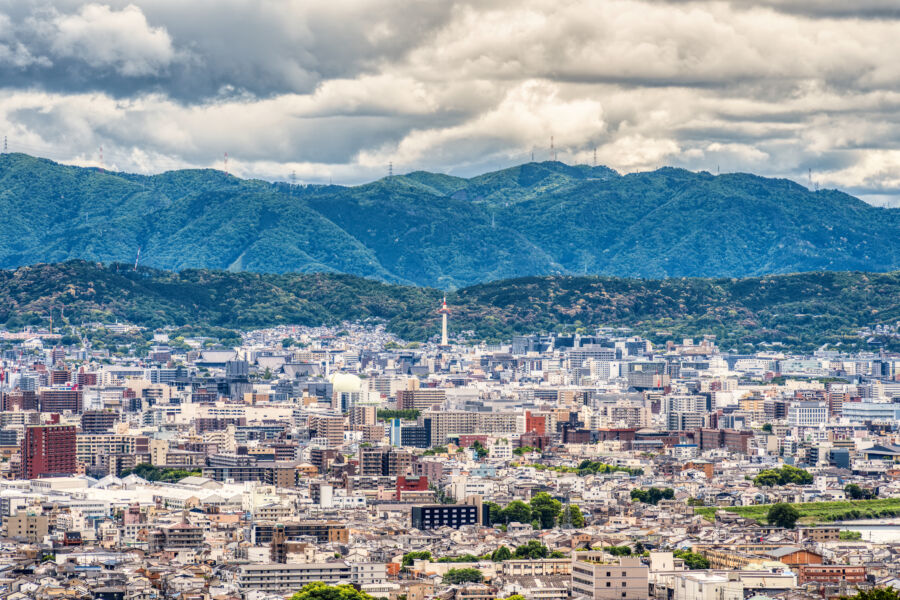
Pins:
<point x="444" y="312"/>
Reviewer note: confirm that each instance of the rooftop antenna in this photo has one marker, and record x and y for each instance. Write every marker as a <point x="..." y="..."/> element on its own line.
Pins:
<point x="226" y="163"/>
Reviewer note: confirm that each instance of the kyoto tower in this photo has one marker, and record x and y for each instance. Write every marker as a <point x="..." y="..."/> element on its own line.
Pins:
<point x="444" y="312"/>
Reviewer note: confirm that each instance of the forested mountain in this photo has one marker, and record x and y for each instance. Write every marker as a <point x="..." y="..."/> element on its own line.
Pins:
<point x="801" y="311"/>
<point x="442" y="231"/>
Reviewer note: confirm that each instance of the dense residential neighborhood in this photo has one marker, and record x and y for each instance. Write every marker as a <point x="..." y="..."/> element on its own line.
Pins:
<point x="555" y="466"/>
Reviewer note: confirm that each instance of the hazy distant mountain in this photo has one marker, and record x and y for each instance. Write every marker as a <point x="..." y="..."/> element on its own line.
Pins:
<point x="443" y="231"/>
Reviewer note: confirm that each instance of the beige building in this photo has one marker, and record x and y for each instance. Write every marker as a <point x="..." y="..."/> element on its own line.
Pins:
<point x="22" y="525"/>
<point x="597" y="578"/>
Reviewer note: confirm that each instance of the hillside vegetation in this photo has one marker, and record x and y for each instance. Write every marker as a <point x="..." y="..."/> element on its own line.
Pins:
<point x="817" y="512"/>
<point x="801" y="311"/>
<point x="441" y="231"/>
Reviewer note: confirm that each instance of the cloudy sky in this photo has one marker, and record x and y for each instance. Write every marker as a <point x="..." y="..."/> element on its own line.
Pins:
<point x="339" y="89"/>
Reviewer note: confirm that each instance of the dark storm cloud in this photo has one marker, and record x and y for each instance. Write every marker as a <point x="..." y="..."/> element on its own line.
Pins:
<point x="203" y="49"/>
<point x="339" y="89"/>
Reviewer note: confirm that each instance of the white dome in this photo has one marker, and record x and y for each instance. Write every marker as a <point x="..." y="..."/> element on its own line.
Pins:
<point x="345" y="382"/>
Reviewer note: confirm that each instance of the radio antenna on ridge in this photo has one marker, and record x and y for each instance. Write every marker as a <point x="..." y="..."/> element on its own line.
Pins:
<point x="552" y="150"/>
<point x="390" y="169"/>
<point x="101" y="159"/>
<point x="595" y="157"/>
<point x="226" y="163"/>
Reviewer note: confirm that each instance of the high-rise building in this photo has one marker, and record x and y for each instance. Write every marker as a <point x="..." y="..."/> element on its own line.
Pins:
<point x="60" y="400"/>
<point x="48" y="451"/>
<point x="420" y="399"/>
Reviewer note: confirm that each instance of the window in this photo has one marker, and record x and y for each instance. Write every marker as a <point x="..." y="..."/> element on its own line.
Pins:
<point x="608" y="584"/>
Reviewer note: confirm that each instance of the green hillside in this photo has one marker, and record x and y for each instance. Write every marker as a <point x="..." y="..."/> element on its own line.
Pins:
<point x="800" y="312"/>
<point x="442" y="231"/>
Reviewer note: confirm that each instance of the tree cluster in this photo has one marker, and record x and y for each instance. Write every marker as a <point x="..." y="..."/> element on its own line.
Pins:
<point x="543" y="512"/>
<point x="652" y="495"/>
<point x="783" y="476"/>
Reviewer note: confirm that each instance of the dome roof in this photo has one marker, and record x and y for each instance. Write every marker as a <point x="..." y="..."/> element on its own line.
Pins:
<point x="345" y="382"/>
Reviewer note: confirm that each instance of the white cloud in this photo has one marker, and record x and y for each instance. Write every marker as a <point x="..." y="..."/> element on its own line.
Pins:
<point x="340" y="89"/>
<point x="103" y="37"/>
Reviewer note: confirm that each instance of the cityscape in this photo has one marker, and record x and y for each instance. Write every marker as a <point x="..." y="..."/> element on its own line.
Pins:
<point x="449" y="300"/>
<point x="551" y="466"/>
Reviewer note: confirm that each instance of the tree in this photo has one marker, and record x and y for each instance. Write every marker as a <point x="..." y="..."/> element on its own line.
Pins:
<point x="576" y="518"/>
<point x="494" y="512"/>
<point x="545" y="509"/>
<point x="767" y="428"/>
<point x="858" y="493"/>
<point x="692" y="560"/>
<point x="322" y="591"/>
<point x="783" y="515"/>
<point x="500" y="554"/>
<point x="783" y="476"/>
<point x="516" y="512"/>
<point x="480" y="450"/>
<point x="467" y="575"/>
<point x="886" y="593"/>
<point x="766" y="478"/>
<point x="652" y="495"/>
<point x="287" y="343"/>
<point x="409" y="557"/>
<point x="533" y="550"/>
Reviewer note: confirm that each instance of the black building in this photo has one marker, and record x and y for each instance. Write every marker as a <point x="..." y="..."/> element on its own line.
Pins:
<point x="432" y="516"/>
<point x="416" y="436"/>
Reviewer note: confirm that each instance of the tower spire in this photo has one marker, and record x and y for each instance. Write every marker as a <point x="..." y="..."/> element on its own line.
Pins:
<point x="444" y="312"/>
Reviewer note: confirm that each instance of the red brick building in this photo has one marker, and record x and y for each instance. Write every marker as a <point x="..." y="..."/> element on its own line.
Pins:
<point x="830" y="574"/>
<point x="61" y="400"/>
<point x="47" y="451"/>
<point x="535" y="423"/>
<point x="411" y="484"/>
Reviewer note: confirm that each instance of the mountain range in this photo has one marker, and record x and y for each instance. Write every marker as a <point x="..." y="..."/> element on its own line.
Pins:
<point x="801" y="311"/>
<point x="441" y="231"/>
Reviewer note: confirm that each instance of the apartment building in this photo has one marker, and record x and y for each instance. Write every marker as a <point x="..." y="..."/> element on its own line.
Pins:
<point x="594" y="577"/>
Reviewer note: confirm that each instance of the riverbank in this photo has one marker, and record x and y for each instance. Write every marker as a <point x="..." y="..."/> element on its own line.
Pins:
<point x="816" y="513"/>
